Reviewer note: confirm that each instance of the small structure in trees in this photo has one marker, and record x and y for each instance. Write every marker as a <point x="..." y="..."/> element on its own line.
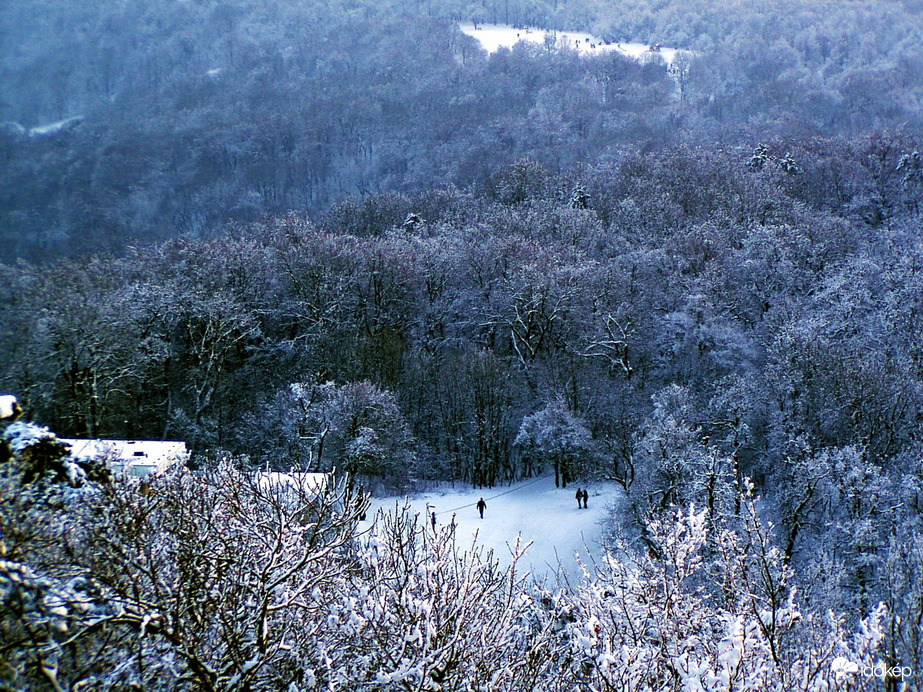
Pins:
<point x="305" y="483"/>
<point x="304" y="493"/>
<point x="132" y="457"/>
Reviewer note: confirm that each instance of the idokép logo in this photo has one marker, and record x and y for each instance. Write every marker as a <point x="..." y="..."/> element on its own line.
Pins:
<point x="843" y="666"/>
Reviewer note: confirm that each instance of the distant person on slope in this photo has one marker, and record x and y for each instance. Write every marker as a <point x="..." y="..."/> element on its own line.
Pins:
<point x="586" y="496"/>
<point x="579" y="497"/>
<point x="481" y="507"/>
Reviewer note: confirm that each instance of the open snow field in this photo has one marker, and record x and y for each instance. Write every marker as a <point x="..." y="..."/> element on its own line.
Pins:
<point x="494" y="36"/>
<point x="533" y="509"/>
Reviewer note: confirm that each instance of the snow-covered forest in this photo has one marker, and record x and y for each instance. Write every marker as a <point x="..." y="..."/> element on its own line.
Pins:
<point x="211" y="581"/>
<point x="342" y="237"/>
<point x="124" y="123"/>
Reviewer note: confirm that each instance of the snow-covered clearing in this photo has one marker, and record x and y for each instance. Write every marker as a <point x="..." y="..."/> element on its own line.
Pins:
<point x="494" y="36"/>
<point x="533" y="509"/>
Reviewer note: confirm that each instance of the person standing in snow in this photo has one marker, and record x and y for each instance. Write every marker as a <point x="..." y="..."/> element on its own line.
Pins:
<point x="579" y="497"/>
<point x="481" y="507"/>
<point x="586" y="496"/>
<point x="432" y="518"/>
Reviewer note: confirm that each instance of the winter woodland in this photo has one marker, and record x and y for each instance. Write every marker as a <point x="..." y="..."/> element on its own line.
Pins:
<point x="347" y="255"/>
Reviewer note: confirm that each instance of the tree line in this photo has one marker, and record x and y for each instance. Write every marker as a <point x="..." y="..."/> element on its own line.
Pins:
<point x="176" y="119"/>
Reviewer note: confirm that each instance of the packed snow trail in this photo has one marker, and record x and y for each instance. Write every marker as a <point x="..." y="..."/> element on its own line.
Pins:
<point x="534" y="510"/>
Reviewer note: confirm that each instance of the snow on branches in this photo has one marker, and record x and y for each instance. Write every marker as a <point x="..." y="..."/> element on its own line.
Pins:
<point x="646" y="623"/>
<point x="215" y="580"/>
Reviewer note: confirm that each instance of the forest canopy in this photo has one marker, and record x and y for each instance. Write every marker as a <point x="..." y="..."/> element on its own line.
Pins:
<point x="339" y="235"/>
<point x="128" y="123"/>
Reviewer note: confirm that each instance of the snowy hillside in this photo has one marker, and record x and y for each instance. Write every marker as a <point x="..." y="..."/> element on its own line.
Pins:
<point x="495" y="36"/>
<point x="533" y="509"/>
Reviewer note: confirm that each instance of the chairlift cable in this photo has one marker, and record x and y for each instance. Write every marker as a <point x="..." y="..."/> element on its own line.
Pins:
<point x="493" y="497"/>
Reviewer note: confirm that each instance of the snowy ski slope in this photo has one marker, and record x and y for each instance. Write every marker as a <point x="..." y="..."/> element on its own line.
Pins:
<point x="533" y="509"/>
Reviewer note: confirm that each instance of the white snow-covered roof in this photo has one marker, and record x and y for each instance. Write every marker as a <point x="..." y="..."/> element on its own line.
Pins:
<point x="134" y="457"/>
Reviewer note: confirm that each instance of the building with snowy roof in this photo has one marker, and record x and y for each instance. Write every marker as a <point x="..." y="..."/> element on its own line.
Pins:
<point x="296" y="490"/>
<point x="132" y="457"/>
<point x="309" y="484"/>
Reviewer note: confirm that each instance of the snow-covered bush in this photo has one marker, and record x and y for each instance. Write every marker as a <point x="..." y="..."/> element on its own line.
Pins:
<point x="423" y="614"/>
<point x="39" y="455"/>
<point x="217" y="581"/>
<point x="702" y="613"/>
<point x="200" y="581"/>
